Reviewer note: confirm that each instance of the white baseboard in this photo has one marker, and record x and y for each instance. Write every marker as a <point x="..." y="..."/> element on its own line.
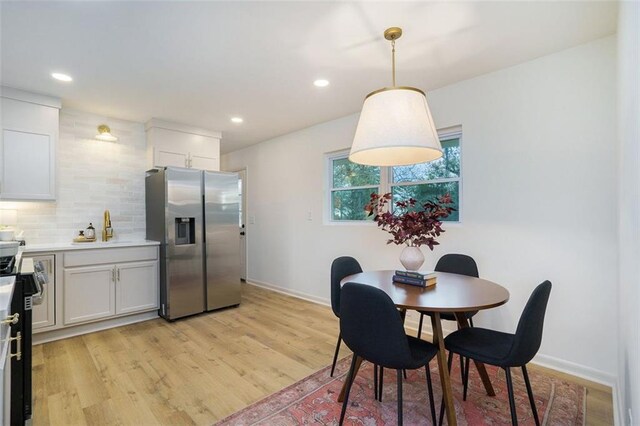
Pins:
<point x="574" y="369"/>
<point x="64" y="333"/>
<point x="298" y="294"/>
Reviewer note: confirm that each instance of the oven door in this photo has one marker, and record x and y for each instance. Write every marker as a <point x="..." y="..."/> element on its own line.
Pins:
<point x="21" y="378"/>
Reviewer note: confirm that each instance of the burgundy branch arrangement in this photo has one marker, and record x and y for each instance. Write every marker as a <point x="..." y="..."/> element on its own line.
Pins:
<point x="412" y="223"/>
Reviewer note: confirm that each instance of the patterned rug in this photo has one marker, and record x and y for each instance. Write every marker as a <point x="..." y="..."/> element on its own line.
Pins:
<point x="313" y="400"/>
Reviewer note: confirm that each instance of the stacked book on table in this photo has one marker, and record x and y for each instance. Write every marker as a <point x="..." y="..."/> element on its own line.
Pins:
<point x="417" y="278"/>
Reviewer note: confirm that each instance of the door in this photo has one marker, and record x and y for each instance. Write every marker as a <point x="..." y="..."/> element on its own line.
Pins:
<point x="222" y="212"/>
<point x="164" y="158"/>
<point x="136" y="287"/>
<point x="89" y="293"/>
<point x="185" y="293"/>
<point x="27" y="165"/>
<point x="204" y="163"/>
<point x="242" y="189"/>
<point x="44" y="314"/>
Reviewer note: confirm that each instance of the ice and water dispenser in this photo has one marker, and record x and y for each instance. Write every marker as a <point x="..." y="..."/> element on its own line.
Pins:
<point x="185" y="230"/>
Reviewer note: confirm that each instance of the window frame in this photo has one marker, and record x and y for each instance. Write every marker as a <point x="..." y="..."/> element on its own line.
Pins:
<point x="386" y="181"/>
<point x="444" y="134"/>
<point x="330" y="158"/>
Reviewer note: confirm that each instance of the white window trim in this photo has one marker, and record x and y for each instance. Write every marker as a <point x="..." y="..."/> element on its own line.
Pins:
<point x="327" y="213"/>
<point x="386" y="182"/>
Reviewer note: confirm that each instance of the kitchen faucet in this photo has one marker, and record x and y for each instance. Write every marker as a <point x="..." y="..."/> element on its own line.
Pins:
<point x="107" y="230"/>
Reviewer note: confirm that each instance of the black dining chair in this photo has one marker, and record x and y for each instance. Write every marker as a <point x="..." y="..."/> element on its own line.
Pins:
<point x="463" y="265"/>
<point x="373" y="329"/>
<point x="340" y="268"/>
<point x="506" y="350"/>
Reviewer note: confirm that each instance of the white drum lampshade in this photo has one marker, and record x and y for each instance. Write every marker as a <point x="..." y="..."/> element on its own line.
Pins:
<point x="395" y="126"/>
<point x="395" y="129"/>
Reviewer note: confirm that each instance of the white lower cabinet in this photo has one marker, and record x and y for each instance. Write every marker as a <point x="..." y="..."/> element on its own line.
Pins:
<point x="136" y="287"/>
<point x="106" y="283"/>
<point x="89" y="293"/>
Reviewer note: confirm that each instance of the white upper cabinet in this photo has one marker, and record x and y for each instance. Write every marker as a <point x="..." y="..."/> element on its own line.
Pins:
<point x="178" y="145"/>
<point x="28" y="137"/>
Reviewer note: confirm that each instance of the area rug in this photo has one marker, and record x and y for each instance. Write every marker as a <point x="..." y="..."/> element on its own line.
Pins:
<point x="313" y="400"/>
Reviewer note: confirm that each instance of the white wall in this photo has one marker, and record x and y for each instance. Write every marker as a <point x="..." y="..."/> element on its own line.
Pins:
<point x="629" y="240"/>
<point x="539" y="200"/>
<point x="91" y="176"/>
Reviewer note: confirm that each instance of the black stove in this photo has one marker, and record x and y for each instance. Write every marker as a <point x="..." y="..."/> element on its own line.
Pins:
<point x="8" y="265"/>
<point x="28" y="287"/>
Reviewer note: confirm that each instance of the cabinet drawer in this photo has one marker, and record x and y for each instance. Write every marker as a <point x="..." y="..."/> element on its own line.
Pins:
<point x="110" y="256"/>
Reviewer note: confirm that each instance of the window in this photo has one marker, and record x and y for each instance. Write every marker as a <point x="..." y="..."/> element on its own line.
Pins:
<point x="351" y="188"/>
<point x="352" y="184"/>
<point x="426" y="181"/>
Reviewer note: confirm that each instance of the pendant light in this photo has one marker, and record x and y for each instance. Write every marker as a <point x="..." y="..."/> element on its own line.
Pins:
<point x="395" y="126"/>
<point x="104" y="134"/>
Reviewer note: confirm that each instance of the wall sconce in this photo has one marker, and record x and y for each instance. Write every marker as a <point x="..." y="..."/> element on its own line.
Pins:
<point x="104" y="134"/>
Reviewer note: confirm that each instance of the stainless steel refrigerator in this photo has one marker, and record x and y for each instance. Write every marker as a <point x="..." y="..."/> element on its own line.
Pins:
<point x="195" y="216"/>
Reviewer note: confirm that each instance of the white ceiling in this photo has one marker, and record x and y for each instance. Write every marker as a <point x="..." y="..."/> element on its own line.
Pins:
<point x="201" y="63"/>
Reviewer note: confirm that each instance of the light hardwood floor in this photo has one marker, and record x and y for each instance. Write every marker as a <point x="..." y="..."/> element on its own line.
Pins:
<point x="201" y="369"/>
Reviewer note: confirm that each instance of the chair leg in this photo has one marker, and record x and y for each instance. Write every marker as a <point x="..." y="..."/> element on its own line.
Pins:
<point x="461" y="368"/>
<point x="420" y="325"/>
<point x="449" y="362"/>
<point x="465" y="385"/>
<point x="375" y="381"/>
<point x="335" y="355"/>
<point x="399" y="397"/>
<point x="349" y="380"/>
<point x="471" y="321"/>
<point x="530" y="393"/>
<point x="404" y="373"/>
<point x="430" y="389"/>
<point x="380" y="383"/>
<point x="512" y="402"/>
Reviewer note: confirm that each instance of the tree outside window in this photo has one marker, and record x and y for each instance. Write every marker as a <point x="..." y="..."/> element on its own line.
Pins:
<point x="352" y="184"/>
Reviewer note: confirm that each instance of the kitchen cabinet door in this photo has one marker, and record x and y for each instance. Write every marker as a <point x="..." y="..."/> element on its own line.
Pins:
<point x="137" y="287"/>
<point x="89" y="293"/>
<point x="28" y="146"/>
<point x="204" y="163"/>
<point x="27" y="166"/>
<point x="178" y="145"/>
<point x="164" y="158"/>
<point x="44" y="314"/>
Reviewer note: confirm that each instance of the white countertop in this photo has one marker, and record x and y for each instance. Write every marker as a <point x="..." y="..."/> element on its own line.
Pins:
<point x="31" y="248"/>
<point x="6" y="292"/>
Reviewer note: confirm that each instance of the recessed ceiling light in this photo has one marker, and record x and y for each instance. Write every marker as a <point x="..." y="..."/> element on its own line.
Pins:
<point x="236" y="120"/>
<point x="321" y="83"/>
<point x="61" y="77"/>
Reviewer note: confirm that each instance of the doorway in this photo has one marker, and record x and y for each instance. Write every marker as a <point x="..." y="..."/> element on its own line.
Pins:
<point x="242" y="188"/>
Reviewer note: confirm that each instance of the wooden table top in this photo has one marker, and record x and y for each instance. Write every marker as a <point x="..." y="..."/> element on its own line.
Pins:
<point x="452" y="292"/>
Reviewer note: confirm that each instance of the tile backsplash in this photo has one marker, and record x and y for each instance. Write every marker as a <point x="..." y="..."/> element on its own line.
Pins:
<point x="92" y="176"/>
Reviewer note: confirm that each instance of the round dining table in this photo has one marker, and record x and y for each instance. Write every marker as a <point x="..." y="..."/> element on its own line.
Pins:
<point x="452" y="293"/>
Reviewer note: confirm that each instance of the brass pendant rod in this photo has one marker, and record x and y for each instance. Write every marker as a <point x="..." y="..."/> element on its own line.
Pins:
<point x="393" y="62"/>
